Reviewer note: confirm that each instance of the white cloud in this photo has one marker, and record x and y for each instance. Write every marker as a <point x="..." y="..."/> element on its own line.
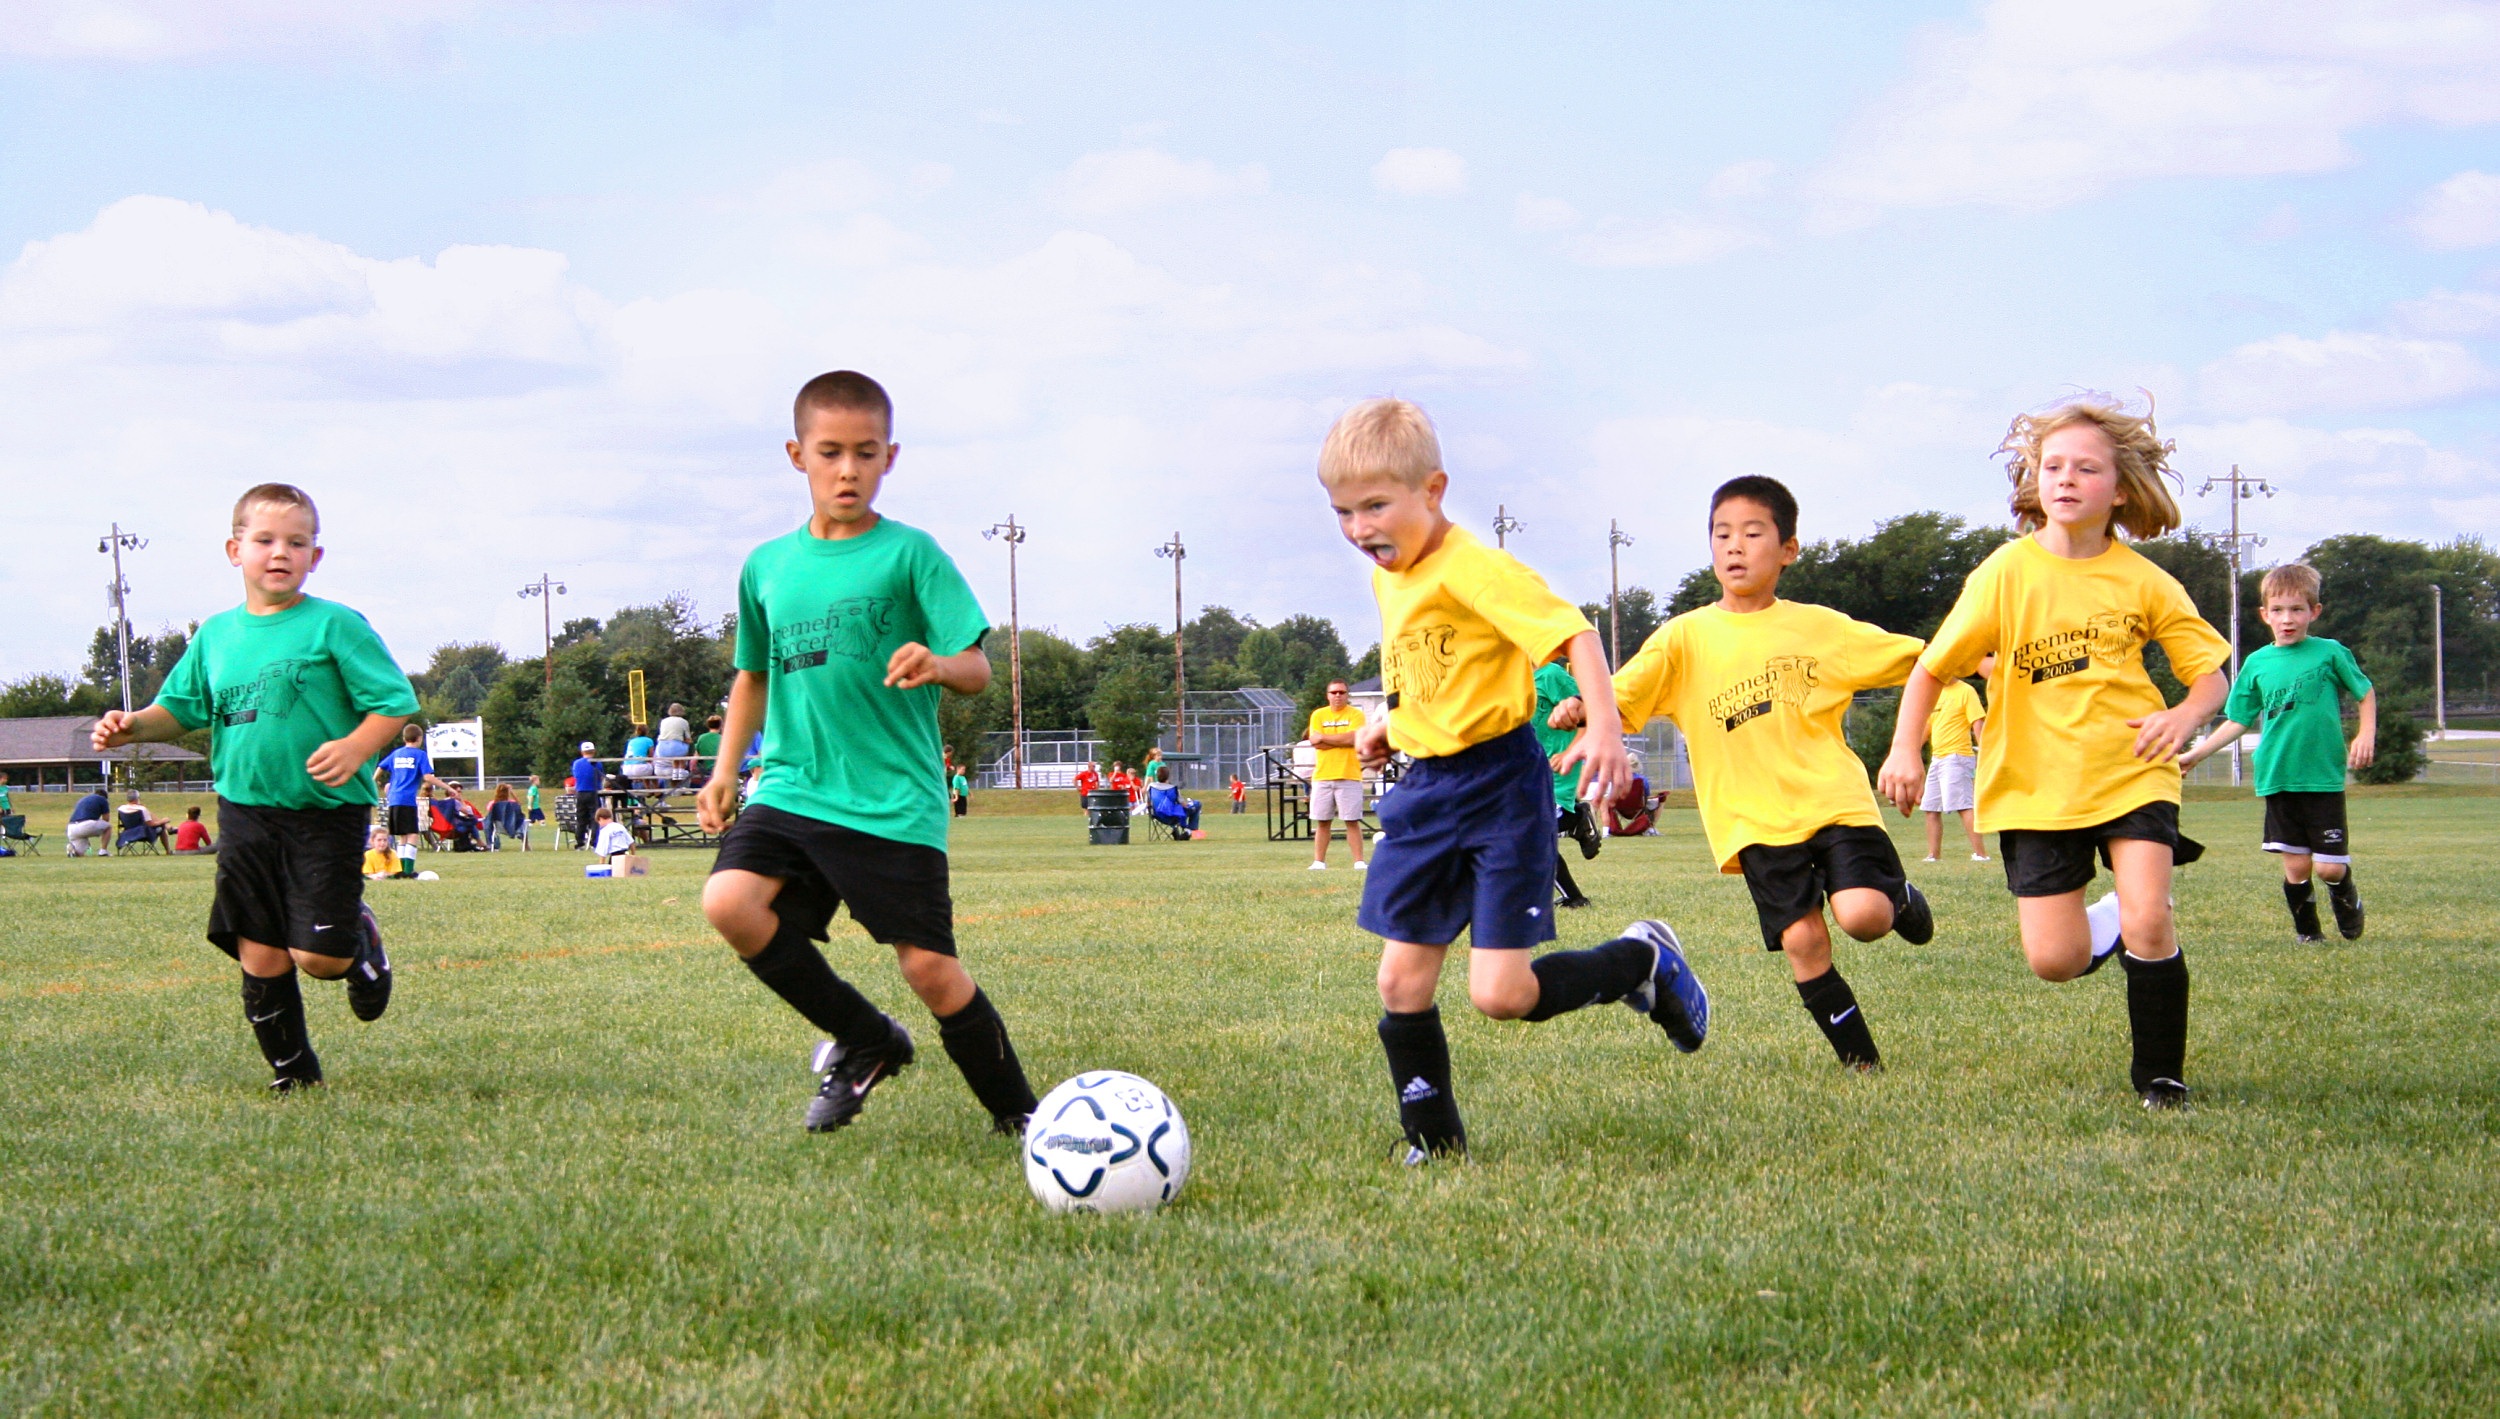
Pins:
<point x="2460" y="213"/>
<point x="2343" y="370"/>
<point x="1674" y="240"/>
<point x="1738" y="182"/>
<point x="2451" y="313"/>
<point x="1134" y="179"/>
<point x="2046" y="102"/>
<point x="2389" y="481"/>
<point x="1543" y="214"/>
<point x="1420" y="172"/>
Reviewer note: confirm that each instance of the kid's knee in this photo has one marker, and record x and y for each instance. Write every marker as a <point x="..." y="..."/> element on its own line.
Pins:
<point x="743" y="919"/>
<point x="322" y="967"/>
<point x="1864" y="914"/>
<point x="1503" y="1000"/>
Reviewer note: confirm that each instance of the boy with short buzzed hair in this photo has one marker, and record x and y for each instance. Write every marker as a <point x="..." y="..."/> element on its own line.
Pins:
<point x="849" y="630"/>
<point x="1760" y="686"/>
<point x="2288" y="692"/>
<point x="299" y="695"/>
<point x="1467" y="841"/>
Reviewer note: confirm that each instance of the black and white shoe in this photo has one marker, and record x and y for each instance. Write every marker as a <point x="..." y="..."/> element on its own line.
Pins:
<point x="1672" y="997"/>
<point x="301" y="1070"/>
<point x="2163" y="1095"/>
<point x="2346" y="899"/>
<point x="1911" y="920"/>
<point x="850" y="1073"/>
<point x="1584" y="830"/>
<point x="369" y="980"/>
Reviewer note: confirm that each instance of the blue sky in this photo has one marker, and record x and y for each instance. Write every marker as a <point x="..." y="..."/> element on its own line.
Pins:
<point x="514" y="288"/>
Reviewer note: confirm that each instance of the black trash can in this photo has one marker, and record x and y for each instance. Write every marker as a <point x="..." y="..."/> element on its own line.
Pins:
<point x="1106" y="816"/>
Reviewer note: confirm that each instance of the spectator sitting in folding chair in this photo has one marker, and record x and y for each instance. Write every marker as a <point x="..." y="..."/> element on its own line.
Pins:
<point x="504" y="820"/>
<point x="455" y="822"/>
<point x="139" y="827"/>
<point x="1168" y="808"/>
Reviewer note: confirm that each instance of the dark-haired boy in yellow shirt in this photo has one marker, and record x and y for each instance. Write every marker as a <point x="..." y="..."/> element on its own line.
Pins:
<point x="1468" y="837"/>
<point x="1759" y="686"/>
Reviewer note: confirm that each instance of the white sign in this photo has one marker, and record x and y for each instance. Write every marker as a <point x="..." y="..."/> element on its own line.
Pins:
<point x="459" y="739"/>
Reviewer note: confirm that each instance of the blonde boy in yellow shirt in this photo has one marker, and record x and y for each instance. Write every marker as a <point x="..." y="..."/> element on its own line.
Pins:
<point x="1468" y="838"/>
<point x="1759" y="686"/>
<point x="2081" y="756"/>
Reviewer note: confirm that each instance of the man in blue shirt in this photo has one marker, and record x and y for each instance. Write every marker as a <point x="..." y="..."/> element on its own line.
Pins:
<point x="91" y="820"/>
<point x="586" y="776"/>
<point x="410" y="769"/>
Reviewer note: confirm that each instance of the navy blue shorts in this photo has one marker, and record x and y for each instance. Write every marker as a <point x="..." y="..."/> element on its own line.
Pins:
<point x="1467" y="844"/>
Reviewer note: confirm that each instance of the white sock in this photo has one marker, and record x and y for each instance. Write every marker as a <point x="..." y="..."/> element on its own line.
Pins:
<point x="2102" y="918"/>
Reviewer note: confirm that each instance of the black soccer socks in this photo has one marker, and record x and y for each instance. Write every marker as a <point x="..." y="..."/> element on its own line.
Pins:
<point x="1835" y="1010"/>
<point x="1419" y="1070"/>
<point x="275" y="1007"/>
<point x="1571" y="893"/>
<point x="2346" y="899"/>
<point x="2157" y="1013"/>
<point x="797" y="972"/>
<point x="2302" y="898"/>
<point x="976" y="1039"/>
<point x="1600" y="975"/>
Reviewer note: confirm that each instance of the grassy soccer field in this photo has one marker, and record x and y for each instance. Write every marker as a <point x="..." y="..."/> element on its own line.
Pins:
<point x="565" y="1175"/>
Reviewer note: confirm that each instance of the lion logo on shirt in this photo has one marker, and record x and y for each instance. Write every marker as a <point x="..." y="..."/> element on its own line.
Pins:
<point x="2115" y="635"/>
<point x="275" y="692"/>
<point x="1420" y="660"/>
<point x="1791" y="677"/>
<point x="856" y="626"/>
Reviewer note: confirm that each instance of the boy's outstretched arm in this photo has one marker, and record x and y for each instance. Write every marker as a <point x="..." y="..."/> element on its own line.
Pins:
<point x="719" y="794"/>
<point x="153" y="725"/>
<point x="336" y="762"/>
<point x="1903" y="779"/>
<point x="2365" y="737"/>
<point x="966" y="672"/>
<point x="2212" y="744"/>
<point x="2162" y="735"/>
<point x="1604" y="765"/>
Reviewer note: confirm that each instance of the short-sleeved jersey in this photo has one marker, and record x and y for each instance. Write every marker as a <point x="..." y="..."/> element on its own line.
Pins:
<point x="819" y="618"/>
<point x="1462" y="632"/>
<point x="2287" y="693"/>
<point x="1331" y="764"/>
<point x="707" y="744"/>
<point x="2069" y="634"/>
<point x="409" y="766"/>
<point x="961" y="785"/>
<point x="1760" y="697"/>
<point x="1948" y="727"/>
<point x="271" y="689"/>
<point x="1554" y="684"/>
<point x="586" y="775"/>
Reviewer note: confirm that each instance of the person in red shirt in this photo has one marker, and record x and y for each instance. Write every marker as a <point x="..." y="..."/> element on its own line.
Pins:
<point x="191" y="835"/>
<point x="1088" y="778"/>
<point x="1241" y="794"/>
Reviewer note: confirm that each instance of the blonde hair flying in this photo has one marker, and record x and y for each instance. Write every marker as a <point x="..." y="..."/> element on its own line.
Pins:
<point x="2142" y="457"/>
<point x="1381" y="437"/>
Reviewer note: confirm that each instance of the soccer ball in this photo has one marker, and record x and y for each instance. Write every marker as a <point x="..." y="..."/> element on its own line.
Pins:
<point x="1106" y="1142"/>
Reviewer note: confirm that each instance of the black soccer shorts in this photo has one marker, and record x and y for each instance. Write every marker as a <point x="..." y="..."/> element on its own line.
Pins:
<point x="896" y="891"/>
<point x="2049" y="862"/>
<point x="289" y="877"/>
<point x="2311" y="823"/>
<point x="1790" y="881"/>
<point x="403" y="820"/>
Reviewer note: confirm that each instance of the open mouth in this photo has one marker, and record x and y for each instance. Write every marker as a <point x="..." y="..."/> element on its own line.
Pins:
<point x="1383" y="553"/>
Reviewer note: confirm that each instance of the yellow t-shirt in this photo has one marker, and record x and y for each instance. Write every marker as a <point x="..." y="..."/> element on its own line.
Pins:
<point x="2069" y="636"/>
<point x="379" y="863"/>
<point x="1461" y="635"/>
<point x="1948" y="729"/>
<point x="1760" y="698"/>
<point x="1336" y="763"/>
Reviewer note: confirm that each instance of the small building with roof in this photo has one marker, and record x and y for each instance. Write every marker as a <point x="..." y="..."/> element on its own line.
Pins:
<point x="54" y="751"/>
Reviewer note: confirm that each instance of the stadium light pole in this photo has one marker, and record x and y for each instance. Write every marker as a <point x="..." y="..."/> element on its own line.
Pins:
<point x="2439" y="668"/>
<point x="1013" y="535"/>
<point x="546" y="589"/>
<point x="2241" y="488"/>
<point x="1503" y="525"/>
<point x="119" y="596"/>
<point x="1180" y="667"/>
<point x="1616" y="541"/>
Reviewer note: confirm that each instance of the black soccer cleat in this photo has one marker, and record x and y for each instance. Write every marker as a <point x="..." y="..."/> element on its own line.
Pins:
<point x="1010" y="1126"/>
<point x="2346" y="899"/>
<point x="1911" y="920"/>
<point x="2163" y="1095"/>
<point x="1584" y="830"/>
<point x="300" y="1070"/>
<point x="1571" y="903"/>
<point x="2311" y="939"/>
<point x="1672" y="997"/>
<point x="850" y="1074"/>
<point x="369" y="980"/>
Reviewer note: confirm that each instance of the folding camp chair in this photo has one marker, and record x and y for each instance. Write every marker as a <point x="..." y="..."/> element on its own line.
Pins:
<point x="13" y="832"/>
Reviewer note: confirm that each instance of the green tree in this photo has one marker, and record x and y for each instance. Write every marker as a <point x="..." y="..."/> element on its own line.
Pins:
<point x="510" y="710"/>
<point x="1213" y="646"/>
<point x="1637" y="615"/>
<point x="459" y="676"/>
<point x="39" y="695"/>
<point x="2400" y="757"/>
<point x="1127" y="708"/>
<point x="1903" y="577"/>
<point x="574" y="711"/>
<point x="683" y="661"/>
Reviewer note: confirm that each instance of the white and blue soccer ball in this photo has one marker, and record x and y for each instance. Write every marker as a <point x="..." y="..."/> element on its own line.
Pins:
<point x="1106" y="1142"/>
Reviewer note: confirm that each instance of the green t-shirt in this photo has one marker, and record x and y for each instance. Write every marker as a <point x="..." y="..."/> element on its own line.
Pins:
<point x="271" y="689"/>
<point x="962" y="785"/>
<point x="819" y="618"/>
<point x="1554" y="684"/>
<point x="533" y="798"/>
<point x="6" y="805"/>
<point x="707" y="744"/>
<point x="2287" y="694"/>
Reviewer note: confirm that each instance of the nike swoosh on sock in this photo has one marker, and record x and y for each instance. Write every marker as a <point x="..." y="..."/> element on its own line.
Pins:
<point x="1843" y="1015"/>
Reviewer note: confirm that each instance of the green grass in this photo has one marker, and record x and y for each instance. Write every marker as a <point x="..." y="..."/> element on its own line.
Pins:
<point x="564" y="1175"/>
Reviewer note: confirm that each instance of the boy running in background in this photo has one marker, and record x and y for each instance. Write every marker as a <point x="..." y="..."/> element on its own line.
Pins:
<point x="849" y="630"/>
<point x="299" y="695"/>
<point x="1760" y="686"/>
<point x="1467" y="841"/>
<point x="1572" y="818"/>
<point x="1953" y="762"/>
<point x="2081" y="756"/>
<point x="411" y="769"/>
<point x="2287" y="692"/>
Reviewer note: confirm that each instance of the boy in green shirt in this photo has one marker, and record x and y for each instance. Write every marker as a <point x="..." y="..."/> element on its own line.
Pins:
<point x="2287" y="692"/>
<point x="299" y="696"/>
<point x="849" y="629"/>
<point x="1572" y="818"/>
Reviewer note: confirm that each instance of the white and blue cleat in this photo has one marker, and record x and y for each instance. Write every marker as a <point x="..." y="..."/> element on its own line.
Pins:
<point x="1672" y="997"/>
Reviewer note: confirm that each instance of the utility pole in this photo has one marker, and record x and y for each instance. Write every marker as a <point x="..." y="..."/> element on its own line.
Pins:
<point x="546" y="589"/>
<point x="1616" y="541"/>
<point x="119" y="596"/>
<point x="1503" y="525"/>
<point x="1014" y="537"/>
<point x="2241" y="488"/>
<point x="1180" y="671"/>
<point x="2439" y="667"/>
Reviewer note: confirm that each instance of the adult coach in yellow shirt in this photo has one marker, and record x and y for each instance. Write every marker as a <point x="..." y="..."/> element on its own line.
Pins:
<point x="1337" y="776"/>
